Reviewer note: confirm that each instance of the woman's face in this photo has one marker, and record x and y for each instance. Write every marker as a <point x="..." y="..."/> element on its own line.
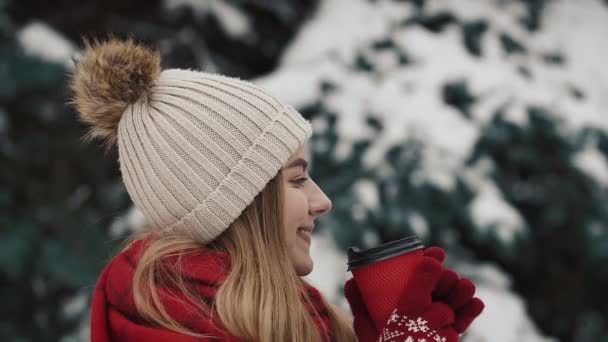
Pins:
<point x="304" y="203"/>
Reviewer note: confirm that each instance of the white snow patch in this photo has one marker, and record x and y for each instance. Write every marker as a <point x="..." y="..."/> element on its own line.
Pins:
<point x="592" y="162"/>
<point x="367" y="193"/>
<point x="490" y="210"/>
<point x="41" y="40"/>
<point x="370" y="239"/>
<point x="336" y="29"/>
<point x="584" y="56"/>
<point x="505" y="318"/>
<point x="298" y="85"/>
<point x="329" y="272"/>
<point x="131" y="222"/>
<point x="233" y="21"/>
<point x="76" y="304"/>
<point x="82" y="332"/>
<point x="419" y="225"/>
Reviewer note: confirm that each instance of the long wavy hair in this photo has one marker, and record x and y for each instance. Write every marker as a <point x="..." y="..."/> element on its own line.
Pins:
<point x="261" y="298"/>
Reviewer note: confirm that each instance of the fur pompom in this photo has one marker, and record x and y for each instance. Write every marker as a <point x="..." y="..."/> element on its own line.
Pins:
<point x="110" y="76"/>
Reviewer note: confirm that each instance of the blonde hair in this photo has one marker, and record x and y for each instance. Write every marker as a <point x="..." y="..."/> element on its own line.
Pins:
<point x="261" y="298"/>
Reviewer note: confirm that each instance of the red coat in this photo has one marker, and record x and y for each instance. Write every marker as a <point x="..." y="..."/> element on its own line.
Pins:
<point x="115" y="318"/>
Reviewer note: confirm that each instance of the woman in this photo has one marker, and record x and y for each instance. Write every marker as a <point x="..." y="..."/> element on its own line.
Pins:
<point x="218" y="167"/>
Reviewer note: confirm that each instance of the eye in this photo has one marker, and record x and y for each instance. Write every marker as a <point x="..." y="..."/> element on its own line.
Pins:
<point x="300" y="181"/>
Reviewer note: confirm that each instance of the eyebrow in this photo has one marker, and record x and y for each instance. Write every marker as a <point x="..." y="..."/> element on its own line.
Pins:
<point x="297" y="163"/>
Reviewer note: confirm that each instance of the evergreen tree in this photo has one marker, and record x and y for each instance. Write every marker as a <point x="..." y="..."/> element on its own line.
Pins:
<point x="507" y="179"/>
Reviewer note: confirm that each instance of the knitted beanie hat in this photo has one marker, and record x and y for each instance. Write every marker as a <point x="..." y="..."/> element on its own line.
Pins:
<point x="194" y="148"/>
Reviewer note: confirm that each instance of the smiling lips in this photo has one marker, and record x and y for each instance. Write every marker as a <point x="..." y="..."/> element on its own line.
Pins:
<point x="305" y="233"/>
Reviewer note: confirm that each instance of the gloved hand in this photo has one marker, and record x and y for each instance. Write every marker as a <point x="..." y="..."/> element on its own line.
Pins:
<point x="362" y="323"/>
<point x="433" y="295"/>
<point x="456" y="292"/>
<point x="417" y="317"/>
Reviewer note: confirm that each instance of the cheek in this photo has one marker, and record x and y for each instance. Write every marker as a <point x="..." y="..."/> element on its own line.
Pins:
<point x="295" y="208"/>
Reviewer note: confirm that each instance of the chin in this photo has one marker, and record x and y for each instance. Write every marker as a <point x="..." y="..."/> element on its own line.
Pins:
<point x="304" y="268"/>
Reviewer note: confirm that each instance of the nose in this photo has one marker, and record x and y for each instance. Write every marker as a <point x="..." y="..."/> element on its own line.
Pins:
<point x="319" y="204"/>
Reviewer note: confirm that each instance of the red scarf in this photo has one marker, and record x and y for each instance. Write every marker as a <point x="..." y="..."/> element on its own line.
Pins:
<point x="115" y="318"/>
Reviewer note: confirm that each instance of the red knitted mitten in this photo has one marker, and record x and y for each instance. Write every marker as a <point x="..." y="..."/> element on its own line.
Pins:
<point x="417" y="317"/>
<point x="363" y="324"/>
<point x="436" y="306"/>
<point x="456" y="292"/>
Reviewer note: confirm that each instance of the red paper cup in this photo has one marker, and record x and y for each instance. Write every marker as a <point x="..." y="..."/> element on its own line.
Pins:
<point x="382" y="272"/>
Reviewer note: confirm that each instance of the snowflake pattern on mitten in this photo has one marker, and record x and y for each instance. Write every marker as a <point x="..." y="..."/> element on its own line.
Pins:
<point x="401" y="328"/>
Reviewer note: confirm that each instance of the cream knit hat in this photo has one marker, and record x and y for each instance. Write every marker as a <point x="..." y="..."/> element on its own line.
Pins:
<point x="194" y="148"/>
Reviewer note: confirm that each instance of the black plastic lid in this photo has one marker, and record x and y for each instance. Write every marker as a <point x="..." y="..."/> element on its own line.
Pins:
<point x="358" y="258"/>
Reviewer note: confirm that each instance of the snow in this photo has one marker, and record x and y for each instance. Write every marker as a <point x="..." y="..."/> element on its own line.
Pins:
<point x="550" y="85"/>
<point x="76" y="305"/>
<point x="419" y="225"/>
<point x="367" y="193"/>
<point x="407" y="101"/>
<point x="585" y="57"/>
<point x="82" y="332"/>
<point x="329" y="271"/>
<point x="336" y="31"/>
<point x="504" y="318"/>
<point x="297" y="85"/>
<point x="370" y="239"/>
<point x="437" y="168"/>
<point x="130" y="222"/>
<point x="417" y="112"/>
<point x="232" y="19"/>
<point x="40" y="40"/>
<point x="491" y="213"/>
<point x="592" y="162"/>
<point x="499" y="12"/>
